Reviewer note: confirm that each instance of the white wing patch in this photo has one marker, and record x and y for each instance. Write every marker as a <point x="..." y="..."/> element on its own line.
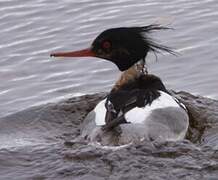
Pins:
<point x="139" y="115"/>
<point x="100" y="113"/>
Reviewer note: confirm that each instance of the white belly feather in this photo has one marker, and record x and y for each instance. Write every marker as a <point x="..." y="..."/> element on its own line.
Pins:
<point x="100" y="113"/>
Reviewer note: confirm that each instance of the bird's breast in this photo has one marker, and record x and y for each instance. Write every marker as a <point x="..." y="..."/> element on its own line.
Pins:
<point x="100" y="113"/>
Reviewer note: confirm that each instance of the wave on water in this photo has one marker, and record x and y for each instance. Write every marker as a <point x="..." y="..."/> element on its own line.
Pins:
<point x="40" y="143"/>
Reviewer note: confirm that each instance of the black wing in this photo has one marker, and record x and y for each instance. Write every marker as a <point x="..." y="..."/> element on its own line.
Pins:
<point x="118" y="103"/>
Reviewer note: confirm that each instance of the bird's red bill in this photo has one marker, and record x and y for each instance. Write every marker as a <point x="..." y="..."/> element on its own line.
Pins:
<point x="82" y="53"/>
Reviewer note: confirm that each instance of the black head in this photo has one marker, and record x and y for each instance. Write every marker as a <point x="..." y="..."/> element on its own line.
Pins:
<point x="123" y="46"/>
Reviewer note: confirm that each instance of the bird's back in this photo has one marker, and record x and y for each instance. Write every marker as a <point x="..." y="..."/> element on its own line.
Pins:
<point x="163" y="118"/>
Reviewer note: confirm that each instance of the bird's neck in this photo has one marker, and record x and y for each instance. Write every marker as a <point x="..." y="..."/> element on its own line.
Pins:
<point x="130" y="74"/>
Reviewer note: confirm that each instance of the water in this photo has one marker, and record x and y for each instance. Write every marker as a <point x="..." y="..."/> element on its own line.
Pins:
<point x="34" y="142"/>
<point x="31" y="29"/>
<point x="40" y="144"/>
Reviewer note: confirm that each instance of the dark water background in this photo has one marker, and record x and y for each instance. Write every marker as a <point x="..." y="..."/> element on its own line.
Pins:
<point x="31" y="29"/>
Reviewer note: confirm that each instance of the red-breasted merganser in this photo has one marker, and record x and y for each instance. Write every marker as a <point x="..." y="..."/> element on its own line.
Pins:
<point x="139" y="106"/>
<point x="123" y="46"/>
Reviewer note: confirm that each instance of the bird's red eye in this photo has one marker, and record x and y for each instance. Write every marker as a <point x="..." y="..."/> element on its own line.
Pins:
<point x="106" y="45"/>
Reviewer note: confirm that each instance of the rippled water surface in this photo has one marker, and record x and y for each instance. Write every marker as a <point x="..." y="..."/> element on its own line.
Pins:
<point x="31" y="29"/>
<point x="37" y="143"/>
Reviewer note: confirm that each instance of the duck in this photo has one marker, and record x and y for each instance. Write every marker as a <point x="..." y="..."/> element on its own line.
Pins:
<point x="122" y="46"/>
<point x="138" y="107"/>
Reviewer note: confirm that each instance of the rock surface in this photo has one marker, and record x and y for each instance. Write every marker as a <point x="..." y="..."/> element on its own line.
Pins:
<point x="39" y="143"/>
